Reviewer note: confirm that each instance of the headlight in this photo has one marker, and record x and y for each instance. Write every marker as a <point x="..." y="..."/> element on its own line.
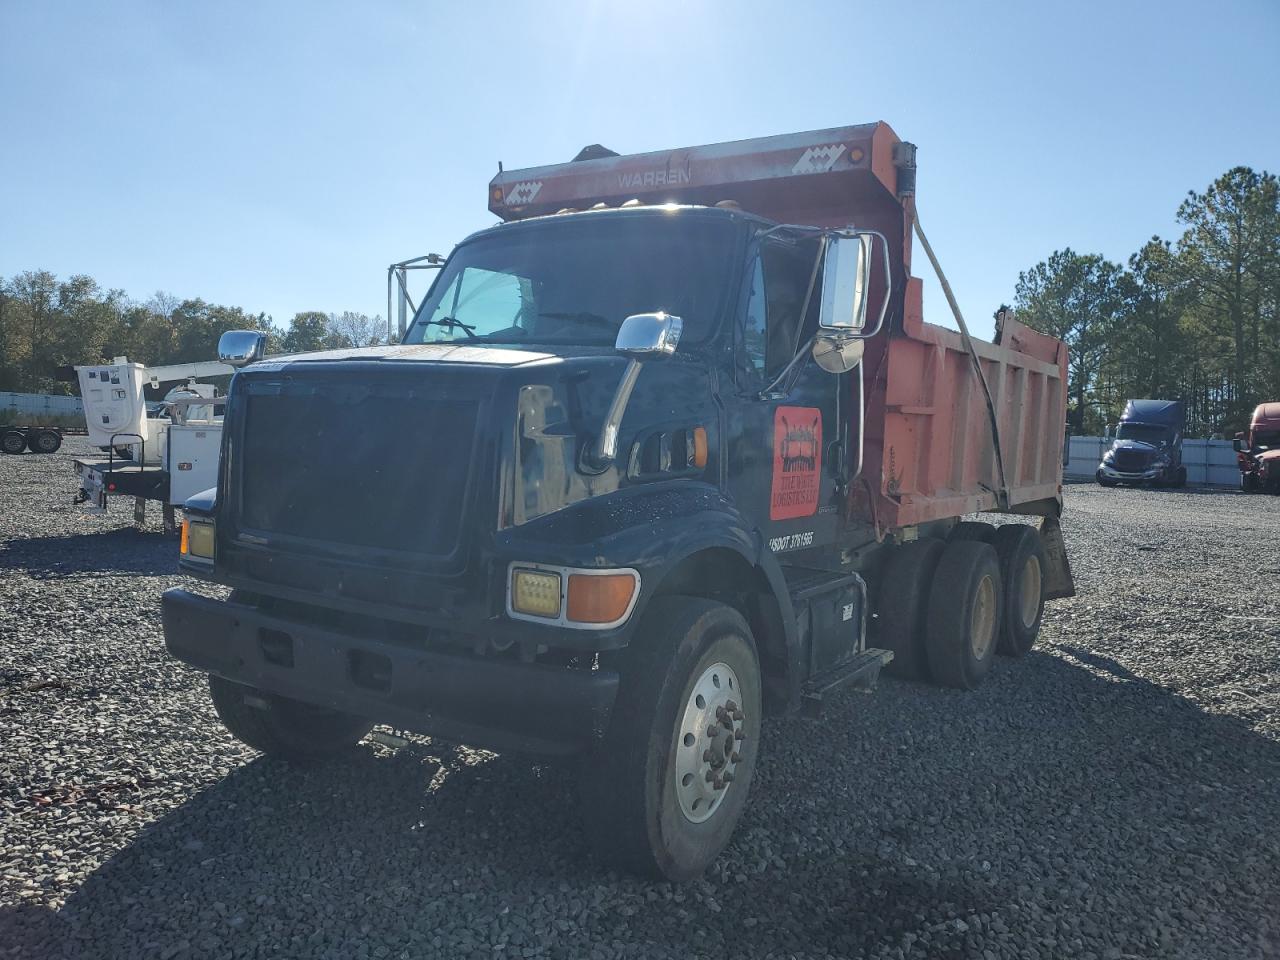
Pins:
<point x="586" y="599"/>
<point x="535" y="593"/>
<point x="197" y="539"/>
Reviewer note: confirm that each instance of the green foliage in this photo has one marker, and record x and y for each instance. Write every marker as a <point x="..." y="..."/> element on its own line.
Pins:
<point x="48" y="325"/>
<point x="1197" y="320"/>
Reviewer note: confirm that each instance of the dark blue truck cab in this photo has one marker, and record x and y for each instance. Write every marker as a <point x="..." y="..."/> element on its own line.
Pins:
<point x="1147" y="447"/>
<point x="606" y="499"/>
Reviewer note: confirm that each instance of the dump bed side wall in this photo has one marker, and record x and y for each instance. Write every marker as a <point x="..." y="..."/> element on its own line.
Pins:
<point x="928" y="452"/>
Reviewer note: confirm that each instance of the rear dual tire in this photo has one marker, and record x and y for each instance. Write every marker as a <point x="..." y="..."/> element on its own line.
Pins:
<point x="12" y="441"/>
<point x="966" y="605"/>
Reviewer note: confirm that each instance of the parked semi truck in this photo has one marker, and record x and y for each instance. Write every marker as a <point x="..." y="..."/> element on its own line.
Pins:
<point x="1147" y="447"/>
<point x="1258" y="450"/>
<point x="668" y="450"/>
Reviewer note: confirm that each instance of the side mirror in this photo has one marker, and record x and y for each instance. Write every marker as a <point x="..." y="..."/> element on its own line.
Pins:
<point x="237" y="348"/>
<point x="649" y="336"/>
<point x="846" y="283"/>
<point x="642" y="336"/>
<point x="1237" y="442"/>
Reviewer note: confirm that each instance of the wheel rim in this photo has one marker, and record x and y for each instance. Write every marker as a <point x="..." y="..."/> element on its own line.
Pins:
<point x="709" y="745"/>
<point x="1029" y="588"/>
<point x="13" y="444"/>
<point x="982" y="621"/>
<point x="45" y="444"/>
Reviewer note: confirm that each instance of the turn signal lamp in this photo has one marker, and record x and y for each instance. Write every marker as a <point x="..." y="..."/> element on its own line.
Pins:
<point x="602" y="598"/>
<point x="535" y="593"/>
<point x="699" y="459"/>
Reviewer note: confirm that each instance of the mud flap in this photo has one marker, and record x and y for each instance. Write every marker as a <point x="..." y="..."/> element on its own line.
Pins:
<point x="1059" y="583"/>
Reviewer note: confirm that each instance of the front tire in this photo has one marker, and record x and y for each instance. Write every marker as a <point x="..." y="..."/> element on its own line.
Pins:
<point x="1104" y="481"/>
<point x="668" y="784"/>
<point x="282" y="727"/>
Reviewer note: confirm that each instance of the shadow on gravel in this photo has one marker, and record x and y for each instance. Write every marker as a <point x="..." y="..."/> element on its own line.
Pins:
<point x="126" y="550"/>
<point x="863" y="848"/>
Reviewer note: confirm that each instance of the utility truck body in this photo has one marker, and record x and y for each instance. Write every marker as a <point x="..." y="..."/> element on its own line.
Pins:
<point x="164" y="452"/>
<point x="670" y="448"/>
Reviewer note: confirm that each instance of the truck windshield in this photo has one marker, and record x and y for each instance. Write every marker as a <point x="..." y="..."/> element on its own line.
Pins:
<point x="1143" y="432"/>
<point x="575" y="280"/>
<point x="1266" y="439"/>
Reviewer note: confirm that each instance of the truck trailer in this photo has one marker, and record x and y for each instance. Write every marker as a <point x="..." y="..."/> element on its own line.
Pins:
<point x="669" y="449"/>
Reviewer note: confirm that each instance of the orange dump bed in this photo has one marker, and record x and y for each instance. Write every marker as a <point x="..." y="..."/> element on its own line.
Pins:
<point x="928" y="451"/>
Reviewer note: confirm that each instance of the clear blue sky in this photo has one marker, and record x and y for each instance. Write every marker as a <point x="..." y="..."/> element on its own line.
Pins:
<point x="277" y="156"/>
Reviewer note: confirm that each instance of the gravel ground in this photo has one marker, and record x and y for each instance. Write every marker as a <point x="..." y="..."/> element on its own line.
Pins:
<point x="1115" y="794"/>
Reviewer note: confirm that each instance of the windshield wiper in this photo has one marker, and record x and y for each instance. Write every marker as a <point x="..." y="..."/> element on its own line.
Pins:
<point x="451" y="324"/>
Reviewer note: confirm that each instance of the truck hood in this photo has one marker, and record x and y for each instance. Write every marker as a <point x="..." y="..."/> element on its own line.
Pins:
<point x="1137" y="446"/>
<point x="490" y="355"/>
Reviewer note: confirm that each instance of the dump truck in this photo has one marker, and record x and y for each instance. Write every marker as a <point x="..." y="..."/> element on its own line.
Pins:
<point x="1258" y="450"/>
<point x="669" y="449"/>
<point x="1147" y="446"/>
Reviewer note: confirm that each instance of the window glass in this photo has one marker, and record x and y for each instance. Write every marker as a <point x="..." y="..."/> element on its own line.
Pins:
<point x="772" y="329"/>
<point x="754" y="332"/>
<point x="574" y="280"/>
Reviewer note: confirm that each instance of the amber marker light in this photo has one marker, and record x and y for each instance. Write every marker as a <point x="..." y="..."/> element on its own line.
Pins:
<point x="699" y="447"/>
<point x="600" y="598"/>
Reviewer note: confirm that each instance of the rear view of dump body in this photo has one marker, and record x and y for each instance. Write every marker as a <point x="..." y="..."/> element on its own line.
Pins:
<point x="927" y="451"/>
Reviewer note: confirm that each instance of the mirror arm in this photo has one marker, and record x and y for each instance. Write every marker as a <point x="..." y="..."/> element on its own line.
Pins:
<point x="771" y="392"/>
<point x="888" y="286"/>
<point x="596" y="457"/>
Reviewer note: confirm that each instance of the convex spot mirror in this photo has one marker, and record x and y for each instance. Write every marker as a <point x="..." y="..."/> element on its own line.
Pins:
<point x="852" y="262"/>
<point x="236" y="348"/>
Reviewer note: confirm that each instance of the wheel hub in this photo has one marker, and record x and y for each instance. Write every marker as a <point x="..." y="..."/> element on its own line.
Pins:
<point x="709" y="747"/>
<point x="1030" y="589"/>
<point x="982" y="624"/>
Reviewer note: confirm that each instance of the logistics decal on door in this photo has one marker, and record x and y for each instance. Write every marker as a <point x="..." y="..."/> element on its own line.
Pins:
<point x="797" y="462"/>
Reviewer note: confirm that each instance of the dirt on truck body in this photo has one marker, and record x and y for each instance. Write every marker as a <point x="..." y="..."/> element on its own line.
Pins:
<point x="685" y="453"/>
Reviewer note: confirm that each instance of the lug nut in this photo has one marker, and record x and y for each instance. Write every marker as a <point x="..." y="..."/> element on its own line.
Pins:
<point x="737" y="715"/>
<point x="739" y="735"/>
<point x="718" y="784"/>
<point x="730" y="706"/>
<point x="712" y="731"/>
<point x="728" y="776"/>
<point x="706" y="755"/>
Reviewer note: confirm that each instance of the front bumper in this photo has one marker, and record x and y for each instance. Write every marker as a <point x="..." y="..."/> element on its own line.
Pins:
<point x="498" y="704"/>
<point x="1142" y="476"/>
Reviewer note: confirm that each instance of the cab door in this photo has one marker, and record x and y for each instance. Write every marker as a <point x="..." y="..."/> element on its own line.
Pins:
<point x="784" y="460"/>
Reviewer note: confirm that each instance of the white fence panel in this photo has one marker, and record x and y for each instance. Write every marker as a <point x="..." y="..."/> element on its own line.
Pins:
<point x="1209" y="462"/>
<point x="35" y="404"/>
